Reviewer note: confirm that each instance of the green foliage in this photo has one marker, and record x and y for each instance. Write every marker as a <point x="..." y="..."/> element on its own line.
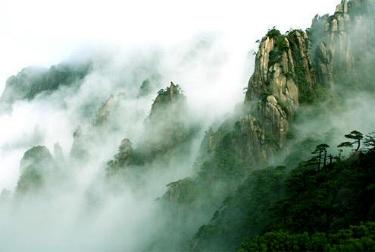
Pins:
<point x="273" y="33"/>
<point x="319" y="208"/>
<point x="170" y="98"/>
<point x="356" y="238"/>
<point x="275" y="56"/>
<point x="302" y="209"/>
<point x="243" y="214"/>
<point x="320" y="153"/>
<point x="226" y="163"/>
<point x="345" y="145"/>
<point x="267" y="92"/>
<point x="282" y="43"/>
<point x="370" y="141"/>
<point x="357" y="136"/>
<point x="320" y="93"/>
<point x="328" y="199"/>
<point x="281" y="46"/>
<point x="168" y="133"/>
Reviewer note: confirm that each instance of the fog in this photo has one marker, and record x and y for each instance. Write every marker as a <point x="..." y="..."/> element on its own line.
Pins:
<point x="206" y="50"/>
<point x="76" y="211"/>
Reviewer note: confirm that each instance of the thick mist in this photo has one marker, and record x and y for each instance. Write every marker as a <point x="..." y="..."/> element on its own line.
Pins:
<point x="348" y="103"/>
<point x="76" y="210"/>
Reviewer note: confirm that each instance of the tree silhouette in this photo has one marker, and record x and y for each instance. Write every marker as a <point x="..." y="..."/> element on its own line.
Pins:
<point x="369" y="141"/>
<point x="345" y="145"/>
<point x="357" y="136"/>
<point x="331" y="157"/>
<point x="319" y="151"/>
<point x="317" y="158"/>
<point x="324" y="147"/>
<point x="161" y="91"/>
<point x="312" y="162"/>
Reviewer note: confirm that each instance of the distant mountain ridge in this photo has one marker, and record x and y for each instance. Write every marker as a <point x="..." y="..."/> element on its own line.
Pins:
<point x="31" y="81"/>
<point x="231" y="194"/>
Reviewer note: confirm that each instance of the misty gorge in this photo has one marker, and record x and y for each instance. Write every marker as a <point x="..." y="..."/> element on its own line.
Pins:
<point x="199" y="145"/>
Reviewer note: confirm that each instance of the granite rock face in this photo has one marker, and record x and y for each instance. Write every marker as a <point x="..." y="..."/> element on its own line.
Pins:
<point x="109" y="107"/>
<point x="282" y="67"/>
<point x="290" y="71"/>
<point x="290" y="68"/>
<point x="283" y="76"/>
<point x="342" y="41"/>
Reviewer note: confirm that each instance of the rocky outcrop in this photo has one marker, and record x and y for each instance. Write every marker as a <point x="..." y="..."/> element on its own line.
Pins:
<point x="342" y="41"/>
<point x="168" y="130"/>
<point x="108" y="107"/>
<point x="182" y="191"/>
<point x="123" y="158"/>
<point x="36" y="164"/>
<point x="282" y="67"/>
<point x="170" y="98"/>
<point x="290" y="71"/>
<point x="283" y="76"/>
<point x="290" y="68"/>
<point x="168" y="124"/>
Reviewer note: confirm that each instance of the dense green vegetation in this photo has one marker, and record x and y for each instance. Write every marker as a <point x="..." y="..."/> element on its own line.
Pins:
<point x="324" y="204"/>
<point x="246" y="213"/>
<point x="281" y="45"/>
<point x="354" y="238"/>
<point x="321" y="203"/>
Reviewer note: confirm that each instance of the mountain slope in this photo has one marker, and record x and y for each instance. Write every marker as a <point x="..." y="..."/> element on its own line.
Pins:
<point x="290" y="75"/>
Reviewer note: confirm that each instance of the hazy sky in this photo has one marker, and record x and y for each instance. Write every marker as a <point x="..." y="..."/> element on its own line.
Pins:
<point x="44" y="32"/>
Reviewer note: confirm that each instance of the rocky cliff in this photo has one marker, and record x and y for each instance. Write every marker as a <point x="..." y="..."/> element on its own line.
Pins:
<point x="343" y="41"/>
<point x="283" y="76"/>
<point x="291" y="71"/>
<point x="110" y="106"/>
